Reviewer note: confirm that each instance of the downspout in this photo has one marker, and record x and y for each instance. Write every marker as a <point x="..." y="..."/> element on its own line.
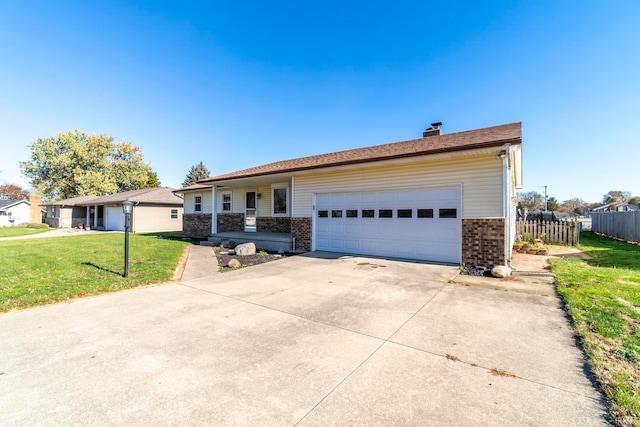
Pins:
<point x="293" y="190"/>
<point x="133" y="217"/>
<point x="506" y="183"/>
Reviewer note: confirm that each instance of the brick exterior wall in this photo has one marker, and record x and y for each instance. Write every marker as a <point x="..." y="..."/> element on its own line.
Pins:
<point x="230" y="222"/>
<point x="274" y="225"/>
<point x="197" y="226"/>
<point x="52" y="222"/>
<point x="483" y="242"/>
<point x="301" y="230"/>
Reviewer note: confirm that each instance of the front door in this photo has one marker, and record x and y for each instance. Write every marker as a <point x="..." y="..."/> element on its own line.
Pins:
<point x="250" y="212"/>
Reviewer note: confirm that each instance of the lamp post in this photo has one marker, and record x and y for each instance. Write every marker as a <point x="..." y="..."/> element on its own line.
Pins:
<point x="127" y="208"/>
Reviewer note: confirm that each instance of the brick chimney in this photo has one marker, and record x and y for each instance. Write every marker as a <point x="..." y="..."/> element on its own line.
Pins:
<point x="35" y="213"/>
<point x="433" y="130"/>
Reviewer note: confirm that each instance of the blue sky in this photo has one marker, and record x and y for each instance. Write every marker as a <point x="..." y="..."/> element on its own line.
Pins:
<point x="239" y="84"/>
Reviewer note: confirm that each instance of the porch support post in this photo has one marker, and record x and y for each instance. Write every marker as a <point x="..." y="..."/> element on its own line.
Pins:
<point x="87" y="216"/>
<point x="95" y="217"/>
<point x="214" y="209"/>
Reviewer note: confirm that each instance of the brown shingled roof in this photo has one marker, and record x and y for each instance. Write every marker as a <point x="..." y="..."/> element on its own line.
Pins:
<point x="158" y="195"/>
<point x="192" y="187"/>
<point x="478" y="138"/>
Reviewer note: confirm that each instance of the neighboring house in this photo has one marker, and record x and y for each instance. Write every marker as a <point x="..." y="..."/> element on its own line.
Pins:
<point x="14" y="212"/>
<point x="615" y="207"/>
<point x="448" y="198"/>
<point x="154" y="209"/>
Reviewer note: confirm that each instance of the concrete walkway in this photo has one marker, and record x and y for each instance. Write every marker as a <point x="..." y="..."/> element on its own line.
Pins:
<point x="58" y="232"/>
<point x="201" y="263"/>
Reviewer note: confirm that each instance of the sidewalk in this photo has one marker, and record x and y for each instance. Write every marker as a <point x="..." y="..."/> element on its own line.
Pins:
<point x="57" y="232"/>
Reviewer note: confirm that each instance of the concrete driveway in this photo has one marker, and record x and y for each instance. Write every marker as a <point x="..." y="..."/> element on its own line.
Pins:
<point x="305" y="340"/>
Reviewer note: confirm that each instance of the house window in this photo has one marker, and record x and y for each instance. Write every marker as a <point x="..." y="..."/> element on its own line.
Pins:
<point x="226" y="201"/>
<point x="385" y="213"/>
<point x="425" y="213"/>
<point x="174" y="213"/>
<point x="197" y="203"/>
<point x="280" y="200"/>
<point x="53" y="212"/>
<point x="448" y="213"/>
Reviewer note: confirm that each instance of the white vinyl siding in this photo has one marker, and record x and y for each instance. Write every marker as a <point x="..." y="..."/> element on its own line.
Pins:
<point x="189" y="201"/>
<point x="480" y="177"/>
<point x="238" y="195"/>
<point x="155" y="218"/>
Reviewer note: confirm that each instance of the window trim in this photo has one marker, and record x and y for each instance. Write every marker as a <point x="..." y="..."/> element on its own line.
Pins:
<point x="222" y="202"/>
<point x="285" y="187"/>
<point x="195" y="204"/>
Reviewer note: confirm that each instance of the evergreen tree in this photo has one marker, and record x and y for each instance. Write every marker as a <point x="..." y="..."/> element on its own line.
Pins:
<point x="196" y="173"/>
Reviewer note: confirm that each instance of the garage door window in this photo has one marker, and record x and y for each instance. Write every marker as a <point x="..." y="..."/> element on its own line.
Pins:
<point x="352" y="213"/>
<point x="425" y="213"/>
<point x="448" y="213"/>
<point x="385" y="213"/>
<point x="368" y="213"/>
<point x="323" y="214"/>
<point x="336" y="214"/>
<point x="405" y="213"/>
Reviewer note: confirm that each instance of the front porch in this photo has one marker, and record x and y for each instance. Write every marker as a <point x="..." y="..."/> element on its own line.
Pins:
<point x="281" y="242"/>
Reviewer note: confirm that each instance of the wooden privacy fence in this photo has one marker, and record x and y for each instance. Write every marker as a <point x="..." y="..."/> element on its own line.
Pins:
<point x="622" y="225"/>
<point x="552" y="232"/>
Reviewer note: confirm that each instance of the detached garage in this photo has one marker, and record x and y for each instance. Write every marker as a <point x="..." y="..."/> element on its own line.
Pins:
<point x="443" y="197"/>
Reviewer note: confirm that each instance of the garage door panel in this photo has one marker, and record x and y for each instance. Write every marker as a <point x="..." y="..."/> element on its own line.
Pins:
<point x="352" y="244"/>
<point x="337" y="228"/>
<point x="404" y="234"/>
<point x="115" y="219"/>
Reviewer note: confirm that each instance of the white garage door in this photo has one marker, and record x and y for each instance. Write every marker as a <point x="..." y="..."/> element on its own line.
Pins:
<point x="115" y="219"/>
<point x="416" y="224"/>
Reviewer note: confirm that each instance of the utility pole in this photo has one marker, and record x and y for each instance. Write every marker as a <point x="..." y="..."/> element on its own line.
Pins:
<point x="545" y="199"/>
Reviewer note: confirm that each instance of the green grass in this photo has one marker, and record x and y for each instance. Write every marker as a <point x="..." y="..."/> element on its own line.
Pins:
<point x="42" y="271"/>
<point x="602" y="295"/>
<point x="23" y="230"/>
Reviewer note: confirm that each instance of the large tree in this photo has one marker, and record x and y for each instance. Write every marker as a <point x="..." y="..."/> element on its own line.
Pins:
<point x="76" y="164"/>
<point x="531" y="200"/>
<point x="152" y="180"/>
<point x="573" y="205"/>
<point x="616" y="196"/>
<point x="196" y="173"/>
<point x="13" y="192"/>
<point x="635" y="201"/>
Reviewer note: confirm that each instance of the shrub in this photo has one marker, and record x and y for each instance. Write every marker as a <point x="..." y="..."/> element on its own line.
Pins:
<point x="38" y="226"/>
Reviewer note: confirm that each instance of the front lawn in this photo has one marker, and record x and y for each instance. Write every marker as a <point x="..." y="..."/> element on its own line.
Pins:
<point x="602" y="295"/>
<point x="23" y="230"/>
<point x="41" y="271"/>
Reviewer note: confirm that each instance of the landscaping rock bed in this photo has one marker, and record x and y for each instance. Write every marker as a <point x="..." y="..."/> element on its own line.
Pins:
<point x="225" y="255"/>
